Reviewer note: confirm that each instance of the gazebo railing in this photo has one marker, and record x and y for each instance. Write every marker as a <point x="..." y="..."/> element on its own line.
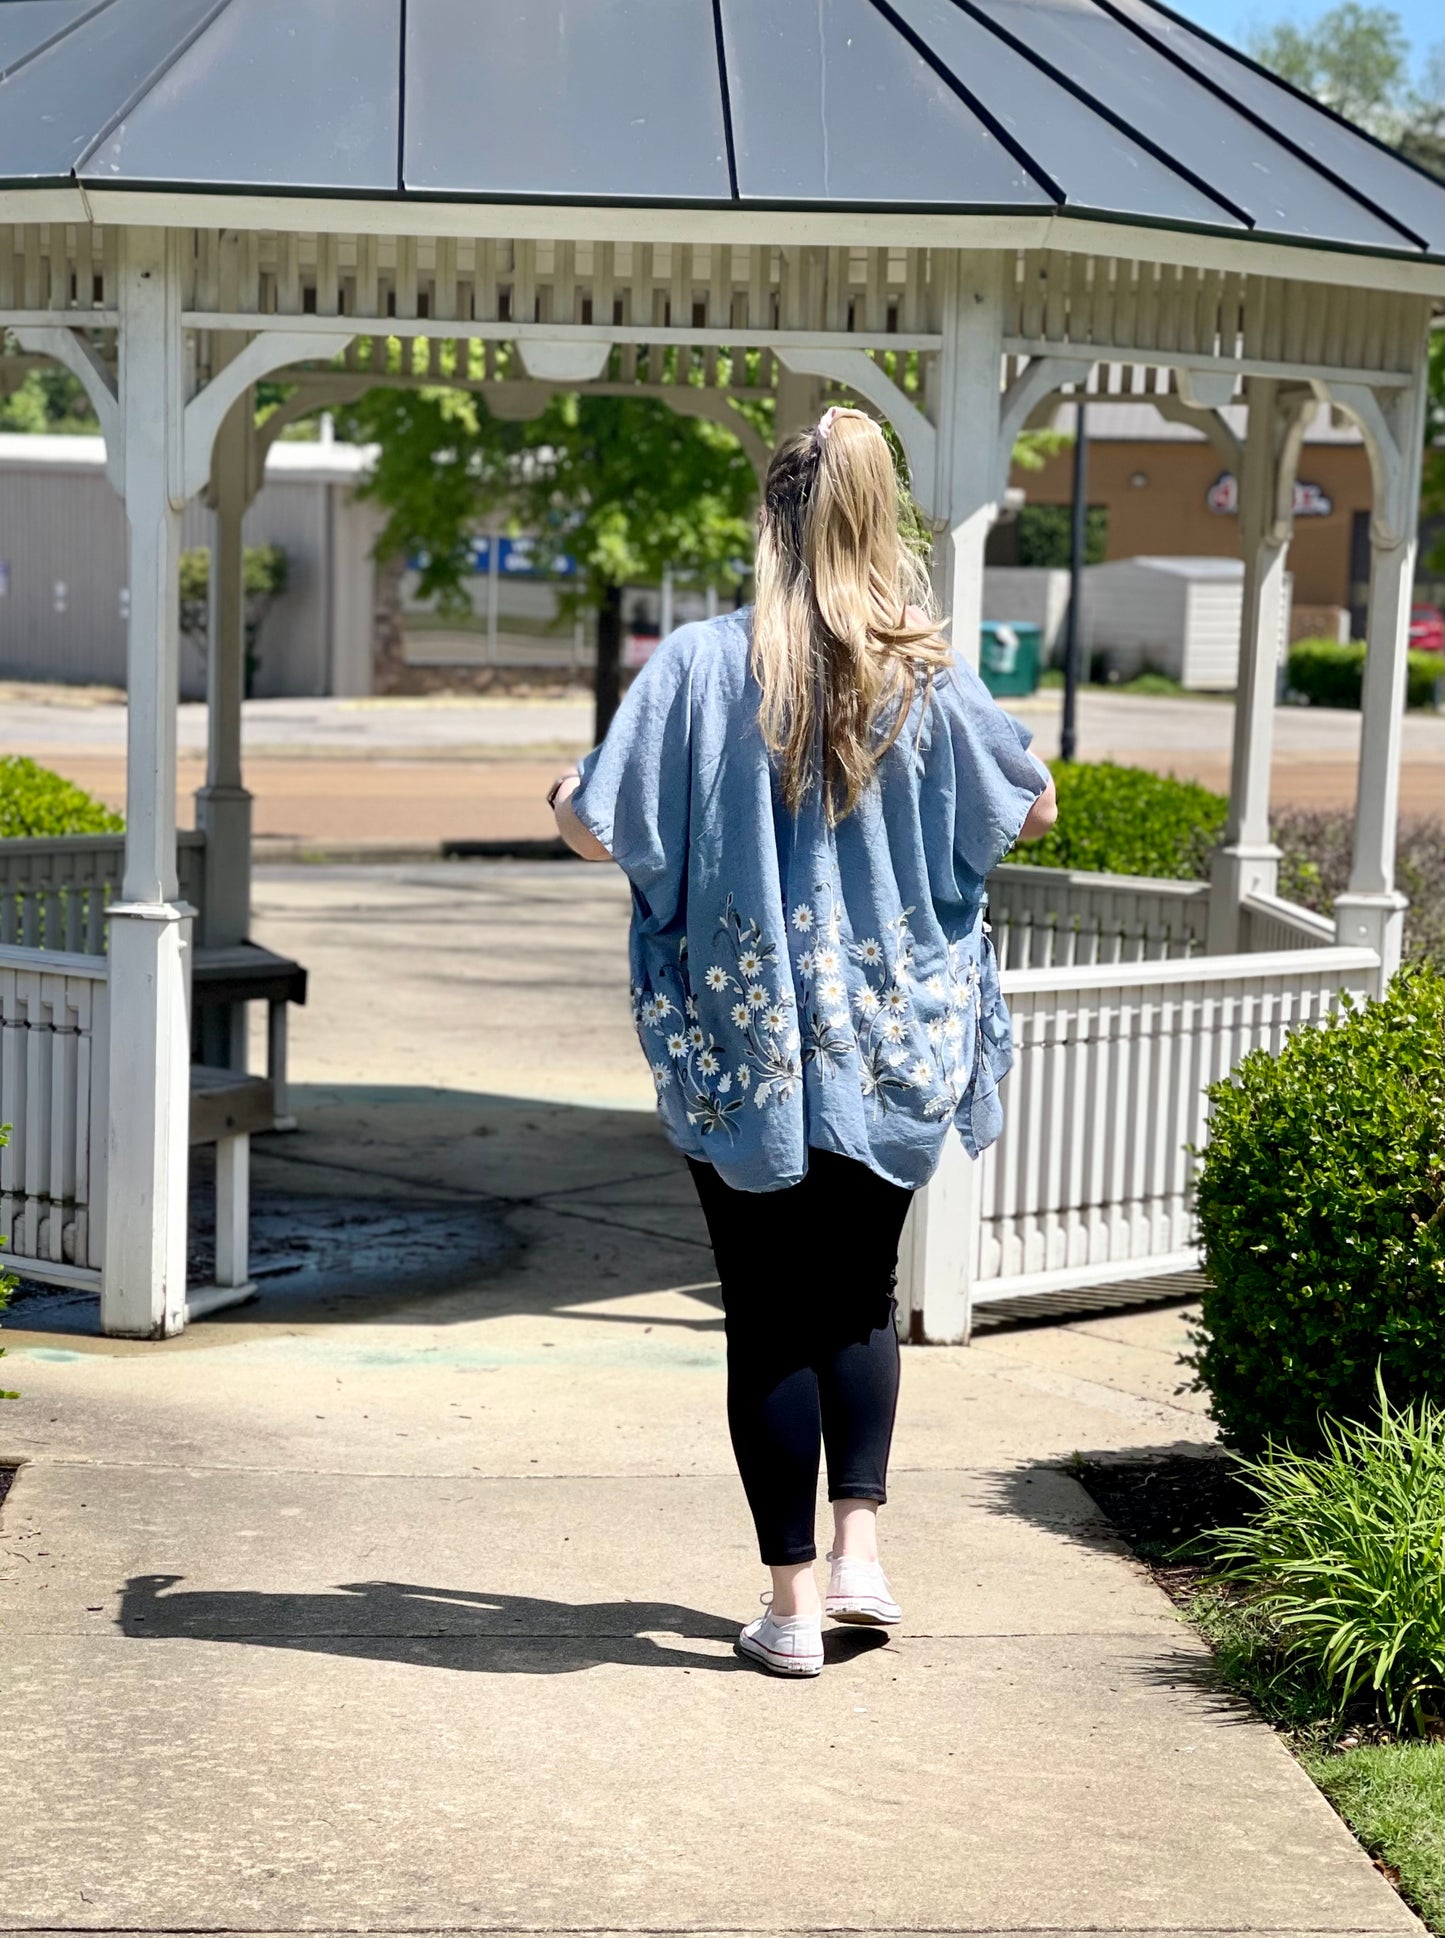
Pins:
<point x="1268" y="923"/>
<point x="54" y="1072"/>
<point x="1090" y="1180"/>
<point x="54" y="889"/>
<point x="1048" y="918"/>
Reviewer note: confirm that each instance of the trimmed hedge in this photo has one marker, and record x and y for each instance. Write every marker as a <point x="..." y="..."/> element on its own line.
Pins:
<point x="34" y="801"/>
<point x="1321" y="1204"/>
<point x="1327" y="674"/>
<point x="1126" y="821"/>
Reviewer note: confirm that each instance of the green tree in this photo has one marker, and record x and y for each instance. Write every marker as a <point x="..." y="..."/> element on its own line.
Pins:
<point x="1355" y="59"/>
<point x="623" y="485"/>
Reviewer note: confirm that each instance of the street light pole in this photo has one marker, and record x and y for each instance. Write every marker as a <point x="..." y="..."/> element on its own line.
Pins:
<point x="1068" y="735"/>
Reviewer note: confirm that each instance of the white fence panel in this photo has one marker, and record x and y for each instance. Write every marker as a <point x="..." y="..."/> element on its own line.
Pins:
<point x="54" y="889"/>
<point x="1268" y="924"/>
<point x="54" y="1064"/>
<point x="1058" y="918"/>
<point x="1090" y="1181"/>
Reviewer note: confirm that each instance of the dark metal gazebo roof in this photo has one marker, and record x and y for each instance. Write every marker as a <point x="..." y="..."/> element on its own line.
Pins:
<point x="1112" y="108"/>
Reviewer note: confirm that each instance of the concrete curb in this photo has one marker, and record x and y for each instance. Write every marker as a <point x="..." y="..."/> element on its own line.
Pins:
<point x="521" y="848"/>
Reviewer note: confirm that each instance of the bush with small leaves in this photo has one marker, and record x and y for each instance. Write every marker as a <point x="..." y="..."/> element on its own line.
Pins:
<point x="1321" y="1206"/>
<point x="1127" y="821"/>
<point x="34" y="801"/>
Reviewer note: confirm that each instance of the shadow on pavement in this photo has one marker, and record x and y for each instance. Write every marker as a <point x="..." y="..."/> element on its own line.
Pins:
<point x="469" y="1630"/>
<point x="389" y="1196"/>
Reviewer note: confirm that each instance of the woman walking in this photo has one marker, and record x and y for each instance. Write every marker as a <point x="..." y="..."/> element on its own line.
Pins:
<point x="806" y="798"/>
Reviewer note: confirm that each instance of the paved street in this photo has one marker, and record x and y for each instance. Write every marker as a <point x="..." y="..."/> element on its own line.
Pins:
<point x="402" y="1600"/>
<point x="423" y="771"/>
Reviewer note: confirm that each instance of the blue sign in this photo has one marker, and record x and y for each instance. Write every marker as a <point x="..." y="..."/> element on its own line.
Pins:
<point x="521" y="558"/>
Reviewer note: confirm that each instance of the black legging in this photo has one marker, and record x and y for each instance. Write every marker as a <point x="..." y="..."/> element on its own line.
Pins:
<point x="807" y="1285"/>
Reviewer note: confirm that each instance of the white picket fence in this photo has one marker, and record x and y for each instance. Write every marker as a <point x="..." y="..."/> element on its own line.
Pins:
<point x="54" y="1070"/>
<point x="1121" y="1022"/>
<point x="1052" y="918"/>
<point x="1090" y="1182"/>
<point x="54" y="889"/>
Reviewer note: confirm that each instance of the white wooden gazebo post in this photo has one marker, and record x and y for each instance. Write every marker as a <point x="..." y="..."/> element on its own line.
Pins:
<point x="1248" y="861"/>
<point x="938" y="1256"/>
<point x="144" y="1278"/>
<point x="223" y="805"/>
<point x="1371" y="912"/>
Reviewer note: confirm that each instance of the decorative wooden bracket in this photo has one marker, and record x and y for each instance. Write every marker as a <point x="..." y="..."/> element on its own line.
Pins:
<point x="81" y="359"/>
<point x="1042" y="377"/>
<point x="857" y="370"/>
<point x="1385" y="424"/>
<point x="206" y="412"/>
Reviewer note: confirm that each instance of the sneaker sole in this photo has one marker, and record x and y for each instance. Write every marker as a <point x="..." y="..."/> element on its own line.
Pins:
<point x="779" y="1665"/>
<point x="864" y="1613"/>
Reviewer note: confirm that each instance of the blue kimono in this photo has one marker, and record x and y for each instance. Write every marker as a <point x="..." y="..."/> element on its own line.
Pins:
<point x="796" y="986"/>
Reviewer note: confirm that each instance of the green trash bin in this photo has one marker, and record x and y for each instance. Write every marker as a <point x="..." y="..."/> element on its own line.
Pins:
<point x="1009" y="656"/>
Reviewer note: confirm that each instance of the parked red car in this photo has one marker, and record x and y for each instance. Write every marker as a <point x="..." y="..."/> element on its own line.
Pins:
<point x="1427" y="629"/>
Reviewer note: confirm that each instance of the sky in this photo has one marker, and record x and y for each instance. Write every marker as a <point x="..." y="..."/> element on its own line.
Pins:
<point x="1232" y="20"/>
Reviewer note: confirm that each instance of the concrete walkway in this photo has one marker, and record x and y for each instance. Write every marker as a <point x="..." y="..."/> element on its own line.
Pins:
<point x="402" y="1600"/>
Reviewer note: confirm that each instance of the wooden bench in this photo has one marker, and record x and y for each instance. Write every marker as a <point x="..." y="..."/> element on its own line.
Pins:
<point x="229" y="1104"/>
<point x="227" y="978"/>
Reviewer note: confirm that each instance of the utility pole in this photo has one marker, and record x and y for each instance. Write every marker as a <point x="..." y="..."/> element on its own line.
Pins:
<point x="1068" y="734"/>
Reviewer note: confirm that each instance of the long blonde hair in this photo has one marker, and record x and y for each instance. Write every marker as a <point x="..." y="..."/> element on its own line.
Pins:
<point x="844" y="626"/>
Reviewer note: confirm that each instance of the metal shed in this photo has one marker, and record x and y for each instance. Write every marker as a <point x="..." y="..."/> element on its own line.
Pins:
<point x="950" y="211"/>
<point x="1171" y="615"/>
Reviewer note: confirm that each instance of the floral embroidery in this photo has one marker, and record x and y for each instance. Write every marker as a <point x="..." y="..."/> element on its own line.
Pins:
<point x="853" y="1000"/>
<point x="761" y="1015"/>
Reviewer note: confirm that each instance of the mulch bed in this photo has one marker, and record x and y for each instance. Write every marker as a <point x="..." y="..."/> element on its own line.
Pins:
<point x="1160" y="1506"/>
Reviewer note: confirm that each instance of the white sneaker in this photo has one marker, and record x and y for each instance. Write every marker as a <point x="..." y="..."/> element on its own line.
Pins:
<point x="784" y="1645"/>
<point x="858" y="1591"/>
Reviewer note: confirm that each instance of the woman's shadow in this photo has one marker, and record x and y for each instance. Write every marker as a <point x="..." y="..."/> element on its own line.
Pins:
<point x="388" y="1621"/>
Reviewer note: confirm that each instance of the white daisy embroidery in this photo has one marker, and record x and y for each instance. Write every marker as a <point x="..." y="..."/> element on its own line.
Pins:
<point x="650" y="1011"/>
<point x="739" y="1014"/>
<point x="757" y="997"/>
<point x="677" y="1044"/>
<point x="897" y="1002"/>
<point x="825" y="961"/>
<point x="717" y="977"/>
<point x="691" y="1005"/>
<point x="894" y="1030"/>
<point x="865" y="1001"/>
<point x="833" y="991"/>
<point x="802" y="918"/>
<point x="709" y="1063"/>
<point x="745" y="1076"/>
<point x="934" y="986"/>
<point x="696" y="1037"/>
<point x="775" y="1022"/>
<point x="921" y="1072"/>
<point x="751" y="963"/>
<point x="870" y="951"/>
<point x="664" y="1004"/>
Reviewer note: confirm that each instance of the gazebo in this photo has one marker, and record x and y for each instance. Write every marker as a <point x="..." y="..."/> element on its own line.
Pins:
<point x="952" y="212"/>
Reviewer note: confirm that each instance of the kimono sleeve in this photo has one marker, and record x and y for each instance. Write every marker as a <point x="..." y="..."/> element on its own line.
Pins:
<point x="635" y="787"/>
<point x="996" y="779"/>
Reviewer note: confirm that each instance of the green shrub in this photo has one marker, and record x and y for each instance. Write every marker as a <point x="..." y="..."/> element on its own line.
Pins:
<point x="34" y="801"/>
<point x="1328" y="674"/>
<point x="1127" y="821"/>
<point x="1321" y="1204"/>
<point x="1341" y="1559"/>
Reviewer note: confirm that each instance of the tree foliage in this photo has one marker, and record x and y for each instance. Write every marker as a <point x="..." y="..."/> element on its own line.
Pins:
<point x="1355" y="59"/>
<point x="623" y="485"/>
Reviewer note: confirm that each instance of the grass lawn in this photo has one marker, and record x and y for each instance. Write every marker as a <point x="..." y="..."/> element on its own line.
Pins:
<point x="1392" y="1795"/>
